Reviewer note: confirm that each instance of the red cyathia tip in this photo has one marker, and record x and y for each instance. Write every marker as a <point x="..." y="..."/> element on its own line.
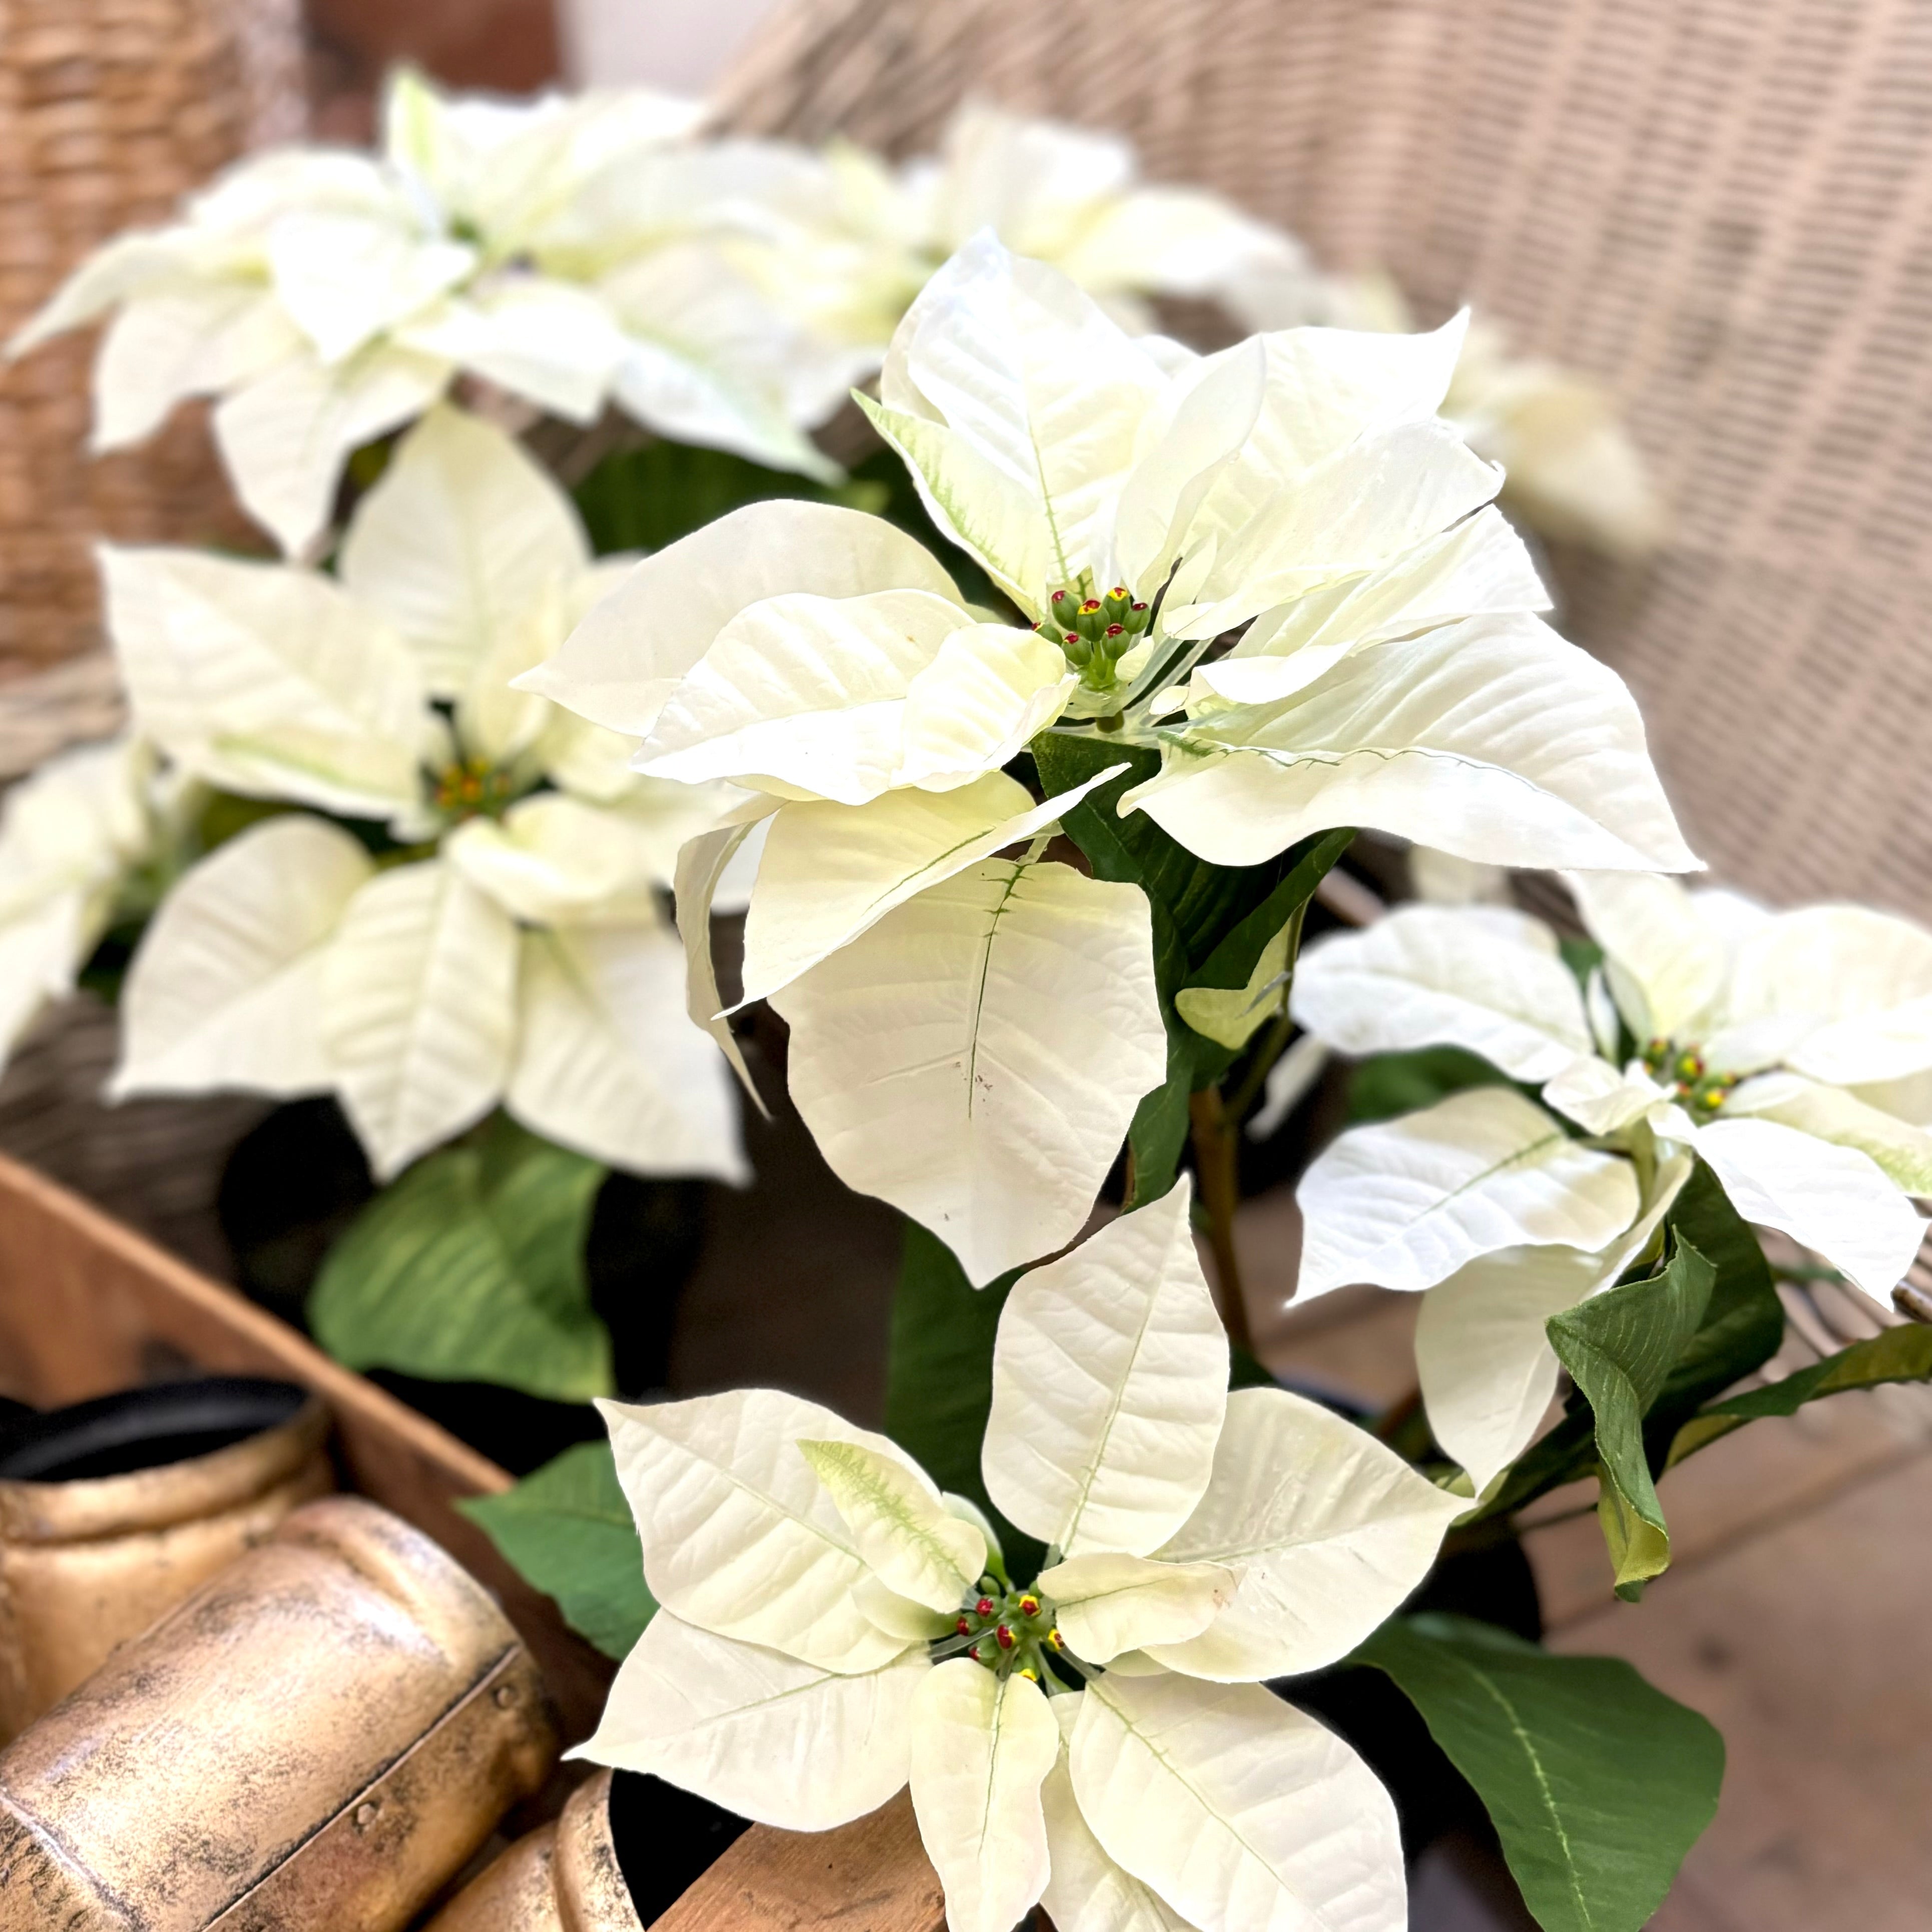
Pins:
<point x="1004" y="1637"/>
<point x="1029" y="1606"/>
<point x="1092" y="604"/>
<point x="964" y="1624"/>
<point x="1118" y="590"/>
<point x="1072" y="638"/>
<point x="1140" y="606"/>
<point x="984" y="1606"/>
<point x="1117" y="630"/>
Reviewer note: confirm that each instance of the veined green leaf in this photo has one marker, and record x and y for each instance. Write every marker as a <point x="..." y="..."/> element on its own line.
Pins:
<point x="1597" y="1782"/>
<point x="1620" y="1347"/>
<point x="470" y="1268"/>
<point x="566" y="1530"/>
<point x="1896" y="1355"/>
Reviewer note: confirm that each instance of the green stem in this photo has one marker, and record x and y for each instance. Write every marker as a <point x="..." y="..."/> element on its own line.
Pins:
<point x="1215" y="1148"/>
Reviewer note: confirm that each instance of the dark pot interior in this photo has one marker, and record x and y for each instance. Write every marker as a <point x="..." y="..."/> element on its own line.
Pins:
<point x="666" y="1839"/>
<point x="142" y="1428"/>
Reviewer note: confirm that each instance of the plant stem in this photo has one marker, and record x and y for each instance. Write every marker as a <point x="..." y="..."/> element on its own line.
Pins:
<point x="1273" y="1044"/>
<point x="1214" y="1150"/>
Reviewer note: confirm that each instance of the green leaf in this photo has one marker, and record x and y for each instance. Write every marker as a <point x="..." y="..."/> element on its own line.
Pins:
<point x="1229" y="966"/>
<point x="1387" y="1084"/>
<point x="645" y="498"/>
<point x="566" y="1530"/>
<point x="1619" y="1347"/>
<point x="470" y="1268"/>
<point x="1582" y="956"/>
<point x="939" y="1374"/>
<point x="1205" y="902"/>
<point x="1210" y="923"/>
<point x="1743" y="1324"/>
<point x="1744" y="1321"/>
<point x="1898" y="1355"/>
<point x="1597" y="1782"/>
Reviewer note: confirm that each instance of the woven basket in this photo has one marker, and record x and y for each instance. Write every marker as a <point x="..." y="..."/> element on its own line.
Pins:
<point x="1722" y="209"/>
<point x="109" y="109"/>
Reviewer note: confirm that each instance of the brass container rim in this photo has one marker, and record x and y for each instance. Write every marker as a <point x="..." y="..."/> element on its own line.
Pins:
<point x="87" y="1509"/>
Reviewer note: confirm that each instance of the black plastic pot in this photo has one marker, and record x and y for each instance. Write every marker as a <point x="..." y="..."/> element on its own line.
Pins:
<point x="142" y="1428"/>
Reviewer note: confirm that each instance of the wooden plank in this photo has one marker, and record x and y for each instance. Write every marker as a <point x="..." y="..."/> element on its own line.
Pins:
<point x="1805" y="1645"/>
<point x="87" y="1306"/>
<point x="870" y="1876"/>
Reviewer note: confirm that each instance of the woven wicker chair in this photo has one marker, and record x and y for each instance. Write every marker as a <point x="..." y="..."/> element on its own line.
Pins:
<point x="1723" y="209"/>
<point x="109" y="111"/>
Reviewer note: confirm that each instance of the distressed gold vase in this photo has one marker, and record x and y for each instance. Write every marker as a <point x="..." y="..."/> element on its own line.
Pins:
<point x="322" y="1736"/>
<point x="89" y="1560"/>
<point x="564" y="1878"/>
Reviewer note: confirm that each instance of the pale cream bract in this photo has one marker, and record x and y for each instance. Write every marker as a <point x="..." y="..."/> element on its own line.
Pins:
<point x="831" y="1625"/>
<point x="513" y="950"/>
<point x="563" y="251"/>
<point x="852" y="240"/>
<point x="1791" y="1051"/>
<point x="71" y="837"/>
<point x="1574" y="471"/>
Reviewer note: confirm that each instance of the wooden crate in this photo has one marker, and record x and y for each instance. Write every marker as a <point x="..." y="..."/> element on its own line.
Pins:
<point x="87" y="1306"/>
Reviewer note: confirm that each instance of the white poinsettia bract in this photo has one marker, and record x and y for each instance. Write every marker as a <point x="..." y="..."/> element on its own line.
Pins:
<point x="1789" y="1052"/>
<point x="73" y="839"/>
<point x="563" y="251"/>
<point x="496" y="936"/>
<point x="833" y="1626"/>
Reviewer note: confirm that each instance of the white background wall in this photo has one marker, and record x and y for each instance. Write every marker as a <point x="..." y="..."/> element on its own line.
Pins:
<point x="677" y="44"/>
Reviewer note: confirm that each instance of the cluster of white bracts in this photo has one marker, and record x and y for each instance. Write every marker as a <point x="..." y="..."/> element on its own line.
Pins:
<point x="576" y="253"/>
<point x="1198" y="1543"/>
<point x="521" y="957"/>
<point x="1802" y="1043"/>
<point x="971" y="1034"/>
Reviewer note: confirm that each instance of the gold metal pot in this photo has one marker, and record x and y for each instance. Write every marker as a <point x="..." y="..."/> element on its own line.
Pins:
<point x="86" y="1564"/>
<point x="564" y="1878"/>
<point x="320" y="1737"/>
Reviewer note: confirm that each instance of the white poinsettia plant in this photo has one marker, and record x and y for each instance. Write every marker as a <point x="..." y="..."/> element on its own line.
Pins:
<point x="1788" y="1051"/>
<point x="1032" y="805"/>
<point x="461" y="904"/>
<point x="833" y="1626"/>
<point x="564" y="252"/>
<point x="972" y="1034"/>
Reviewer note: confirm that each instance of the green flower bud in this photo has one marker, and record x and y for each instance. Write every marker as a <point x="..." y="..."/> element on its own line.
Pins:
<point x="1118" y="602"/>
<point x="1078" y="651"/>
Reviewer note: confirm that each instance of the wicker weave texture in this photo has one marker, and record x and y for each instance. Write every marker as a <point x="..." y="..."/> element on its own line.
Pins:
<point x="1723" y="209"/>
<point x="109" y="110"/>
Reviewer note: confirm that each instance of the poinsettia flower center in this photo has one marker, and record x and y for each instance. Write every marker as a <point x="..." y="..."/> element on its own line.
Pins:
<point x="1701" y="1092"/>
<point x="472" y="788"/>
<point x="1095" y="633"/>
<point x="1006" y="1629"/>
